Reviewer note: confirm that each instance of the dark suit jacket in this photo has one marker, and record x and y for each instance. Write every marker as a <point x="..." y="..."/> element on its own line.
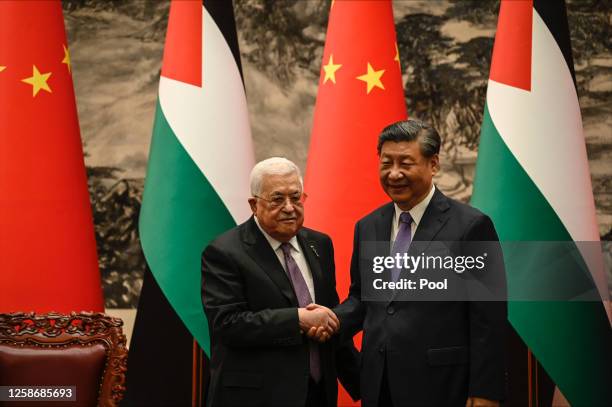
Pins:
<point x="259" y="357"/>
<point x="435" y="353"/>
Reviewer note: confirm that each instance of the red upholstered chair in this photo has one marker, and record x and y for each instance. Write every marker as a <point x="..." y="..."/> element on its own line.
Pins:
<point x="85" y="350"/>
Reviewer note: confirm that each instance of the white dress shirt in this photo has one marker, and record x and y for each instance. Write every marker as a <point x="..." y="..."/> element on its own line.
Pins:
<point x="298" y="256"/>
<point x="416" y="212"/>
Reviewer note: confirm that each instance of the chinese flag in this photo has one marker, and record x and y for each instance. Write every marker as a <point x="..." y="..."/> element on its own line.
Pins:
<point x="47" y="246"/>
<point x="360" y="92"/>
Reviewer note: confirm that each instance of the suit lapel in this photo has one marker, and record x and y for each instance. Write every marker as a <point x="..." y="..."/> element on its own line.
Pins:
<point x="309" y="248"/>
<point x="383" y="227"/>
<point x="259" y="250"/>
<point x="433" y="219"/>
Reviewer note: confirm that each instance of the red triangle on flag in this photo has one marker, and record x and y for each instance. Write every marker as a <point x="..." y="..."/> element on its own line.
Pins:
<point x="511" y="60"/>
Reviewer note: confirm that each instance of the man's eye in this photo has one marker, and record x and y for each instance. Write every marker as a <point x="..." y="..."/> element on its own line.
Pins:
<point x="278" y="200"/>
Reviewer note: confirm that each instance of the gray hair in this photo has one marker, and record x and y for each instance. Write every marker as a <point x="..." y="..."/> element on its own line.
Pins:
<point x="272" y="166"/>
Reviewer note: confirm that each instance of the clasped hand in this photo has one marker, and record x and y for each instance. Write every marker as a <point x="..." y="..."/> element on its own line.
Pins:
<point x="318" y="322"/>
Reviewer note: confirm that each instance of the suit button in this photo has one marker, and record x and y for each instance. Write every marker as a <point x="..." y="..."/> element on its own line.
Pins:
<point x="390" y="310"/>
<point x="381" y="349"/>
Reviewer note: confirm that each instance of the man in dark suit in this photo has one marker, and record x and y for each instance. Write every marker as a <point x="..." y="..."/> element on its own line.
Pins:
<point x="418" y="353"/>
<point x="257" y="281"/>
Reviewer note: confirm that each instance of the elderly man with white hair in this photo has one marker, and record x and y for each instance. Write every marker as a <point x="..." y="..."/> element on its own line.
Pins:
<point x="269" y="348"/>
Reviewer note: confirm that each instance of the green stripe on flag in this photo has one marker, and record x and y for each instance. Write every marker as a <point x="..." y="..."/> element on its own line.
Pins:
<point x="508" y="195"/>
<point x="570" y="339"/>
<point x="181" y="213"/>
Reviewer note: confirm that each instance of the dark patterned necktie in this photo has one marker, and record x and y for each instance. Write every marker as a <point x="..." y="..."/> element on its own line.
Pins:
<point x="402" y="241"/>
<point x="304" y="298"/>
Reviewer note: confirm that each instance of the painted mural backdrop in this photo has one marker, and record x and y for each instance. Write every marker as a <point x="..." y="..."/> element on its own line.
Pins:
<point x="445" y="49"/>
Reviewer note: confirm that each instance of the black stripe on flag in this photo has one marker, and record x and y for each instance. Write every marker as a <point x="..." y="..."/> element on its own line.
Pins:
<point x="222" y="12"/>
<point x="554" y="14"/>
<point x="161" y="355"/>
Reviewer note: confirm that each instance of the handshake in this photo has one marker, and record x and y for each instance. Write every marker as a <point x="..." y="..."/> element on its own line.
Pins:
<point x="318" y="322"/>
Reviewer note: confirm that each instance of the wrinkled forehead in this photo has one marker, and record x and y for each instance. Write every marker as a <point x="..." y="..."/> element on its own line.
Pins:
<point x="286" y="184"/>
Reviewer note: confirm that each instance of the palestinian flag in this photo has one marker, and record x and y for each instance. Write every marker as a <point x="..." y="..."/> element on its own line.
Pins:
<point x="360" y="92"/>
<point x="48" y="259"/>
<point x="196" y="188"/>
<point x="532" y="178"/>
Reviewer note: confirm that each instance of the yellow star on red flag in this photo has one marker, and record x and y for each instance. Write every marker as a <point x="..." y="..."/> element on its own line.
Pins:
<point x="330" y="70"/>
<point x="66" y="59"/>
<point x="38" y="81"/>
<point x="372" y="78"/>
<point x="397" y="58"/>
<point x="2" y="68"/>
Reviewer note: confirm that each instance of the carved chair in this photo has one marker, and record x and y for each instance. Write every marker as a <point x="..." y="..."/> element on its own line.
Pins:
<point x="86" y="350"/>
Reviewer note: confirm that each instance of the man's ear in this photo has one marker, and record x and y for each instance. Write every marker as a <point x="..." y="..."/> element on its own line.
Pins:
<point x="253" y="204"/>
<point x="435" y="163"/>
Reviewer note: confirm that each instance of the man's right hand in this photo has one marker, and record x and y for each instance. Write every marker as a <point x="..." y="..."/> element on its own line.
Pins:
<point x="319" y="322"/>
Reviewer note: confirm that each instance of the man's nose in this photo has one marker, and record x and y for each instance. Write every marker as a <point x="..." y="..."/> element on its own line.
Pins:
<point x="395" y="173"/>
<point x="288" y="206"/>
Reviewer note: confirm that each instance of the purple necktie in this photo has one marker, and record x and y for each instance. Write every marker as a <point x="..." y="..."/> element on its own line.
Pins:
<point x="402" y="241"/>
<point x="304" y="298"/>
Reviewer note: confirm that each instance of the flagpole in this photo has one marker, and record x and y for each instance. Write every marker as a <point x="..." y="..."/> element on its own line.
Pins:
<point x="194" y="373"/>
<point x="529" y="377"/>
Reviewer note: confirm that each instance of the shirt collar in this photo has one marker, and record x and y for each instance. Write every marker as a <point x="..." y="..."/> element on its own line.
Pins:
<point x="275" y="244"/>
<point x="417" y="210"/>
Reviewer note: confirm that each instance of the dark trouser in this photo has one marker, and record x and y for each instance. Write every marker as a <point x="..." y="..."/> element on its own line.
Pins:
<point x="316" y="394"/>
<point x="384" y="397"/>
